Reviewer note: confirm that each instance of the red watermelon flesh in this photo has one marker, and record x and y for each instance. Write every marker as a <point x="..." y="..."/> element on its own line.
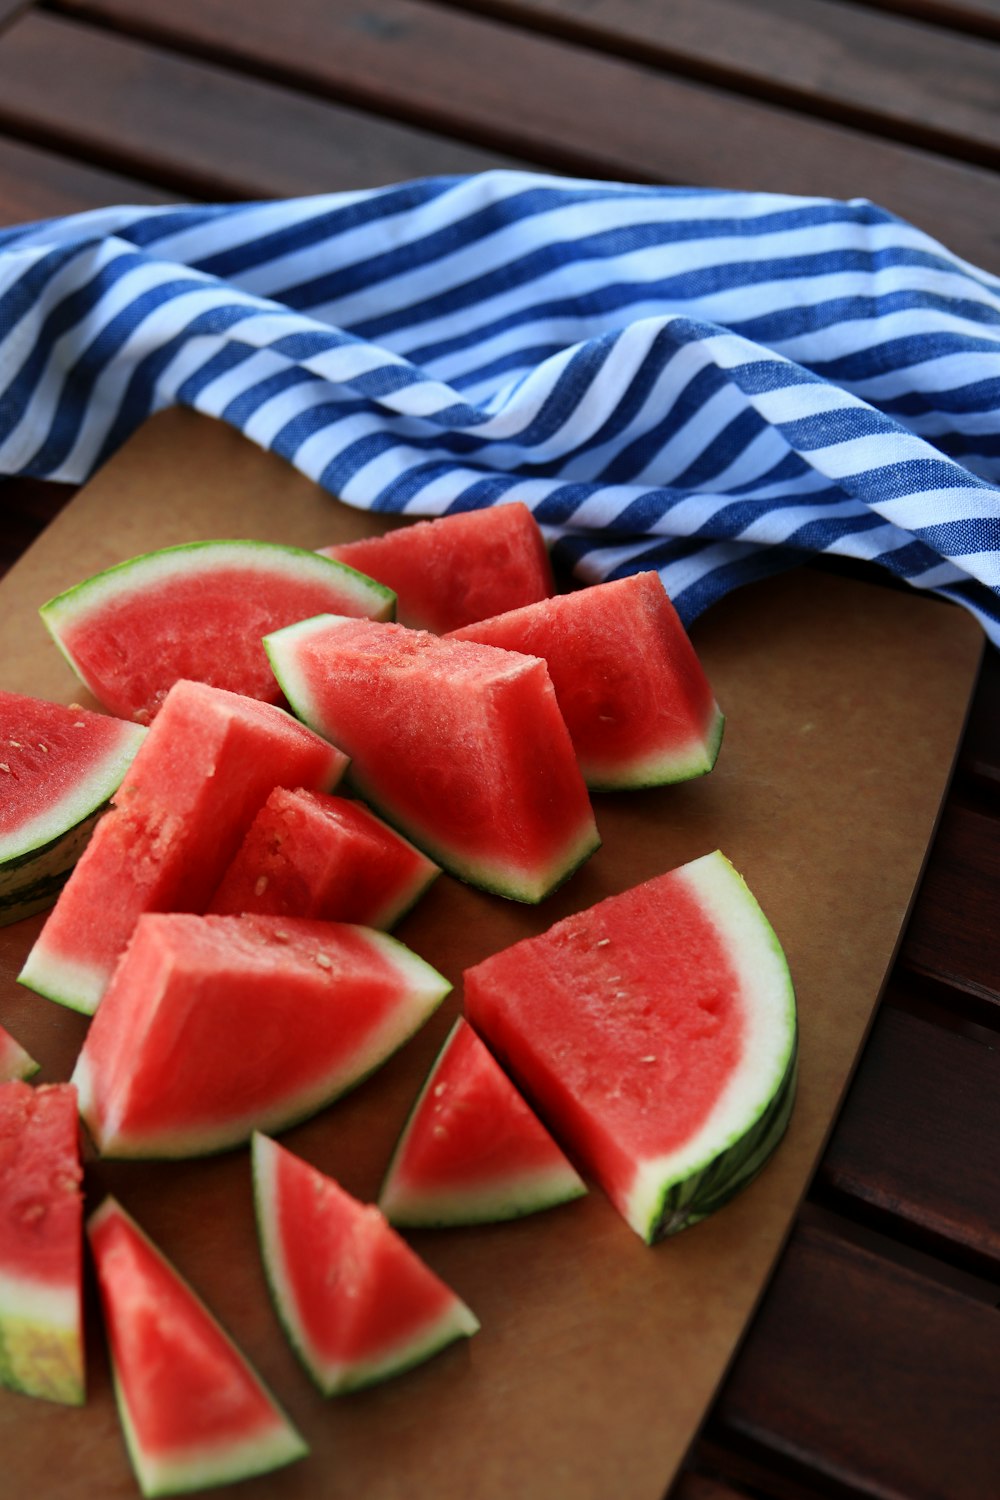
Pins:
<point x="204" y="770"/>
<point x="457" y="568"/>
<point x="15" y="1061"/>
<point x="309" y="854"/>
<point x="656" y="1035"/>
<point x="461" y="746"/>
<point x="357" y="1302"/>
<point x="636" y="700"/>
<point x="41" y="1206"/>
<point x="472" y="1150"/>
<point x="213" y="1027"/>
<point x="197" y="611"/>
<point x="193" y="1411"/>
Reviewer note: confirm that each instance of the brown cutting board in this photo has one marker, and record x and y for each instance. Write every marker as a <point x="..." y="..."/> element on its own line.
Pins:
<point x="597" y="1357"/>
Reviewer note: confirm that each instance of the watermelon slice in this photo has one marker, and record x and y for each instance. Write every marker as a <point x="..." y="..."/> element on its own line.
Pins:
<point x="308" y="854"/>
<point x="203" y="772"/>
<point x="638" y="706"/>
<point x="461" y="746"/>
<point x="58" y="768"/>
<point x="15" y="1061"/>
<point x="358" y="1304"/>
<point x="41" y="1210"/>
<point x="215" y="1026"/>
<point x="456" y="568"/>
<point x="656" y="1035"/>
<point x="197" y="611"/>
<point x="472" y="1151"/>
<point x="193" y="1411"/>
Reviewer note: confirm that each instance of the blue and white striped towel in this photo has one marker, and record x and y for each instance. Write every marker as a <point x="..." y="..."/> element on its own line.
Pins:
<point x="709" y="383"/>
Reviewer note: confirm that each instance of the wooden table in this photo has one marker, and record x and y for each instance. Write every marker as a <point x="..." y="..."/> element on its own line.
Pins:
<point x="872" y="1366"/>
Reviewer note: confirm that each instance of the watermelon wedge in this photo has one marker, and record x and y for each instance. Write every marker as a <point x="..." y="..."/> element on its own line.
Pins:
<point x="197" y="611"/>
<point x="193" y="1411"/>
<point x="15" y="1061"/>
<point x="213" y="1027"/>
<point x="656" y="1035"/>
<point x="58" y="768"/>
<point x="310" y="854"/>
<point x="41" y="1249"/>
<point x="203" y="772"/>
<point x="357" y="1303"/>
<point x="638" y="706"/>
<point x="460" y="746"/>
<point x="472" y="1151"/>
<point x="457" y="568"/>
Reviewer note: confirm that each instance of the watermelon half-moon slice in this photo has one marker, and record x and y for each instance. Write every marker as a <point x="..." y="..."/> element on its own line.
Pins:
<point x="656" y="1035"/>
<point x="472" y="1151"/>
<point x="58" y="768"/>
<point x="193" y="1411"/>
<point x="637" y="703"/>
<point x="41" y="1242"/>
<point x="457" y="568"/>
<point x="460" y="746"/>
<point x="356" y="1301"/>
<point x="213" y="1027"/>
<point x="197" y="611"/>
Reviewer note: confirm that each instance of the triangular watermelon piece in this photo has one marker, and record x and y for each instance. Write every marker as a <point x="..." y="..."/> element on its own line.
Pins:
<point x="472" y="1151"/>
<point x="357" y="1302"/>
<point x="457" y="568"/>
<point x="58" y="768"/>
<point x="193" y="1411"/>
<point x="15" y="1060"/>
<point x="41" y="1254"/>
<point x="310" y="854"/>
<point x="197" y="611"/>
<point x="213" y="1027"/>
<point x="637" y="703"/>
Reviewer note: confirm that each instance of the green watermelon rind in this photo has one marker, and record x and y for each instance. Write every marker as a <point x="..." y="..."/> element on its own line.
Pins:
<point x="668" y="769"/>
<point x="421" y="1003"/>
<point x="514" y="1198"/>
<point x="234" y="1462"/>
<point x="16" y="1062"/>
<point x="459" y="1321"/>
<point x="41" y="1341"/>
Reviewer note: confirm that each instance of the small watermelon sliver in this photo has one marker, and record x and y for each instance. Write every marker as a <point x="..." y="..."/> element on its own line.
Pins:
<point x="356" y="1301"/>
<point x="472" y="1150"/>
<point x="41" y="1242"/>
<point x="15" y="1061"/>
<point x="193" y="1411"/>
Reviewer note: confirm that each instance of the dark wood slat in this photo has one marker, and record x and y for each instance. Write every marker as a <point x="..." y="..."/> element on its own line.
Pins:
<point x="37" y="184"/>
<point x="863" y="1377"/>
<point x="892" y="74"/>
<point x="980" y="757"/>
<point x="980" y="17"/>
<point x="605" y="117"/>
<point x="953" y="937"/>
<point x="196" y="129"/>
<point x="27" y="507"/>
<point x="918" y="1139"/>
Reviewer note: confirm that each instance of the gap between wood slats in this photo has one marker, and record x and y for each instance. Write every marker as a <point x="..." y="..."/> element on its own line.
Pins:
<point x="578" y="111"/>
<point x="863" y="1377"/>
<point x="978" y="17"/>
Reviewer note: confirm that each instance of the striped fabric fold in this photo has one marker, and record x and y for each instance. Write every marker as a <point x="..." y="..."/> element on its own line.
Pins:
<point x="712" y="384"/>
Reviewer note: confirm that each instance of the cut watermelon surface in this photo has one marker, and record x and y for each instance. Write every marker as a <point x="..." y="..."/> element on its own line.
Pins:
<point x="203" y="772"/>
<point x="460" y="746"/>
<point x="58" y="768"/>
<point x="357" y="1302"/>
<point x="197" y="611"/>
<point x="656" y="1035"/>
<point x="636" y="700"/>
<point x="193" y="1411"/>
<point x="472" y="1151"/>
<point x="457" y="568"/>
<point x="213" y="1027"/>
<point x="15" y="1061"/>
<point x="41" y="1255"/>
<point x="309" y="854"/>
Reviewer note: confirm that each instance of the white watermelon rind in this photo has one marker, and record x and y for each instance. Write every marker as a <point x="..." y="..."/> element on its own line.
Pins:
<point x="514" y="1198"/>
<point x="670" y="1193"/>
<point x="514" y="882"/>
<point x="667" y="768"/>
<point x="457" y="1322"/>
<point x="425" y="990"/>
<point x="208" y="1466"/>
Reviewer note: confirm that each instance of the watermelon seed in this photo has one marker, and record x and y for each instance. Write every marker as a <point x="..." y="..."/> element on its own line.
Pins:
<point x="15" y="743"/>
<point x="323" y="961"/>
<point x="260" y="885"/>
<point x="602" y="942"/>
<point x="43" y="748"/>
<point x="4" y="767"/>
